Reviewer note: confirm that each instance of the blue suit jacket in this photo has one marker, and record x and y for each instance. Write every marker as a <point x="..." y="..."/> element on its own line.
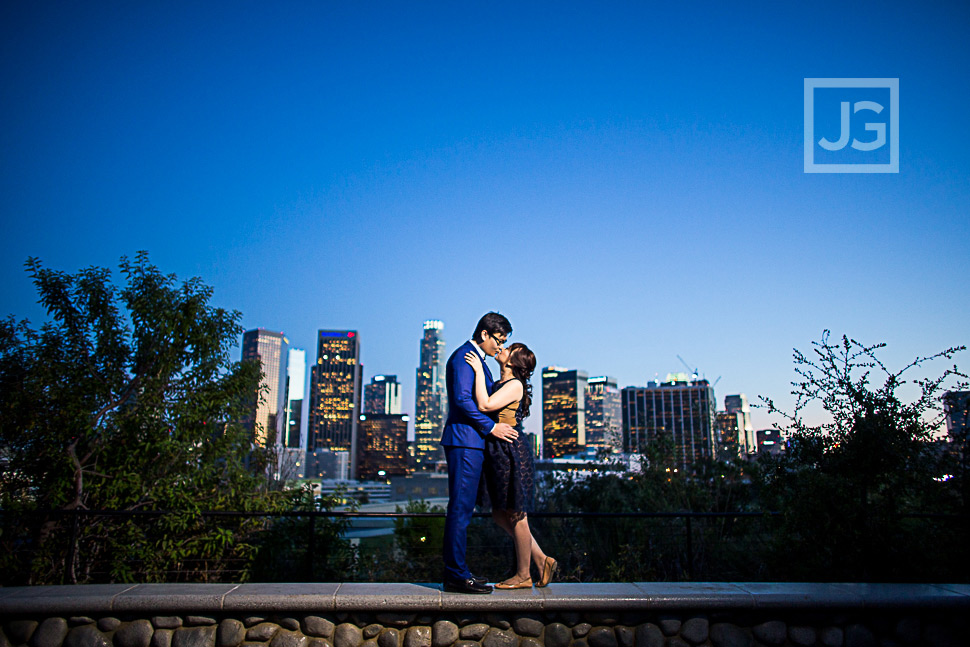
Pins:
<point x="466" y="426"/>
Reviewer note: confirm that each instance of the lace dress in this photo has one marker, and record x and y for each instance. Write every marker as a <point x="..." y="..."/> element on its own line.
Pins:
<point x="508" y="475"/>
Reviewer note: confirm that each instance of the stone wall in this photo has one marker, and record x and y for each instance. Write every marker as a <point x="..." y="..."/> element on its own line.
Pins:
<point x="715" y="616"/>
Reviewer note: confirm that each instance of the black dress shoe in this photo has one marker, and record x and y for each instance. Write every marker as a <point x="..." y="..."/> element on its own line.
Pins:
<point x="479" y="579"/>
<point x="466" y="586"/>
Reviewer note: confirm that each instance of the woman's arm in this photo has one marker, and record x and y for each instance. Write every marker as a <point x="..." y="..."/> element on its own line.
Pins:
<point x="480" y="392"/>
<point x="508" y="393"/>
<point x="461" y="395"/>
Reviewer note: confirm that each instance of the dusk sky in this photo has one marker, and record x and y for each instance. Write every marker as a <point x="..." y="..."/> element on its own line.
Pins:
<point x="624" y="181"/>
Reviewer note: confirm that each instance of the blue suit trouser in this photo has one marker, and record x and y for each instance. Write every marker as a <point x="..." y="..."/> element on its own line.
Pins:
<point x="464" y="473"/>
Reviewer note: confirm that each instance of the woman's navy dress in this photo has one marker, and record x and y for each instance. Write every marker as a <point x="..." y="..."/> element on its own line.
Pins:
<point x="508" y="475"/>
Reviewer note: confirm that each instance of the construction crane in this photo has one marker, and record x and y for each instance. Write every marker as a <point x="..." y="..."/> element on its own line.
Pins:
<point x="692" y="371"/>
<point x="695" y="373"/>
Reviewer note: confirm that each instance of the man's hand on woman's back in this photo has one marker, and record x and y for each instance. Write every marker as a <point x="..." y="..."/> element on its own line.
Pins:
<point x="504" y="432"/>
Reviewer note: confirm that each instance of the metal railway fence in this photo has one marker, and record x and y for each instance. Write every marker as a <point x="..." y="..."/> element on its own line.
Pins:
<point x="90" y="546"/>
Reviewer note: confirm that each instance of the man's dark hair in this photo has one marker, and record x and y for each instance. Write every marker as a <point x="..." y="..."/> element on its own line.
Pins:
<point x="494" y="324"/>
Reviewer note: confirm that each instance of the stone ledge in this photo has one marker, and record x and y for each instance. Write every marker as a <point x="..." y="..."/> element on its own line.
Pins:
<point x="344" y="597"/>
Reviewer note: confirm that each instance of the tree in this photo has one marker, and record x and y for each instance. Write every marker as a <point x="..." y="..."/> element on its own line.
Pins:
<point x="307" y="548"/>
<point x="419" y="539"/>
<point x="637" y="548"/>
<point x="849" y="487"/>
<point x="125" y="400"/>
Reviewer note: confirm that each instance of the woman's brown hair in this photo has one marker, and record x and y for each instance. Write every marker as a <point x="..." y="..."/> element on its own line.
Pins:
<point x="522" y="361"/>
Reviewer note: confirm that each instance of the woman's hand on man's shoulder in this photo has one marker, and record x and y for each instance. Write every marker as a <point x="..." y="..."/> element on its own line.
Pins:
<point x="473" y="360"/>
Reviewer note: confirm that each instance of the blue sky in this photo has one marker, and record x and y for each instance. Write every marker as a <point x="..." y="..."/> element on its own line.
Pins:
<point x="625" y="182"/>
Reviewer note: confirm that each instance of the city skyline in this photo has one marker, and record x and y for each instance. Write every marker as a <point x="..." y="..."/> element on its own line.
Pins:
<point x="598" y="408"/>
<point x="626" y="183"/>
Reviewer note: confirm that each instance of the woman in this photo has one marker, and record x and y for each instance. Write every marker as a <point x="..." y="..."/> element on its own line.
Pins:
<point x="509" y="470"/>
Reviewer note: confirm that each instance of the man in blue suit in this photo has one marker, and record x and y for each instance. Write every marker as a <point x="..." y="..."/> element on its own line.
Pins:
<point x="464" y="443"/>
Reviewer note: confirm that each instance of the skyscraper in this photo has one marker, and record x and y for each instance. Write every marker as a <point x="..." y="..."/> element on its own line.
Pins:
<point x="604" y="421"/>
<point x="269" y="410"/>
<point x="956" y="409"/>
<point x="748" y="440"/>
<point x="563" y="411"/>
<point x="730" y="430"/>
<point x="770" y="441"/>
<point x="295" y="386"/>
<point x="678" y="410"/>
<point x="292" y="455"/>
<point x="430" y="398"/>
<point x="382" y="395"/>
<point x="335" y="393"/>
<point x="382" y="448"/>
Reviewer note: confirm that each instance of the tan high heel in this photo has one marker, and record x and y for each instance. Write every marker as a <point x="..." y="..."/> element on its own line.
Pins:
<point x="548" y="568"/>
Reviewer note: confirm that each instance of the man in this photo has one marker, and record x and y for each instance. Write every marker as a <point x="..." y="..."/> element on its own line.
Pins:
<point x="464" y="443"/>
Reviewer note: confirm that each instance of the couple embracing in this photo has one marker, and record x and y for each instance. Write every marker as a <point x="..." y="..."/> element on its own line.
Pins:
<point x="487" y="455"/>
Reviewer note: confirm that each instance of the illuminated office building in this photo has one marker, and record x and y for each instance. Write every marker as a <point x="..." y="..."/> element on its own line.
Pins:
<point x="678" y="410"/>
<point x="956" y="405"/>
<point x="730" y="431"/>
<point x="382" y="395"/>
<point x="604" y="421"/>
<point x="269" y="409"/>
<point x="335" y="394"/>
<point x="770" y="441"/>
<point x="956" y="409"/>
<point x="430" y="399"/>
<point x="324" y="464"/>
<point x="563" y="411"/>
<point x="382" y="446"/>
<point x="748" y="440"/>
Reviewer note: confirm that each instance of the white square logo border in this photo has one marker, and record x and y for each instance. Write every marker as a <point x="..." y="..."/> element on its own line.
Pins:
<point x="892" y="166"/>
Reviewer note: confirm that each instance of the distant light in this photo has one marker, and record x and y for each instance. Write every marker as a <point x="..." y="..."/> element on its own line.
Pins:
<point x="351" y="334"/>
<point x="378" y="378"/>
